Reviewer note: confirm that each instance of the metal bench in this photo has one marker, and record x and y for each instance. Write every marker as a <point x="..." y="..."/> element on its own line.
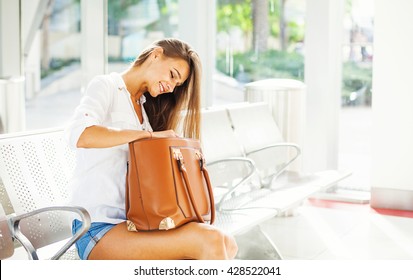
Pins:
<point x="34" y="170"/>
<point x="248" y="160"/>
<point x="36" y="166"/>
<point x="33" y="194"/>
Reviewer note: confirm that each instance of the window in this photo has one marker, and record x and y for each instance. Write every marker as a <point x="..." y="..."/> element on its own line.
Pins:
<point x="134" y="24"/>
<point x="260" y="39"/>
<point x="52" y="66"/>
<point x="357" y="53"/>
<point x="355" y="115"/>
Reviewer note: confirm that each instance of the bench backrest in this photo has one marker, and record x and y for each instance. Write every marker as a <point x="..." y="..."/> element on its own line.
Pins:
<point x="35" y="168"/>
<point x="262" y="140"/>
<point x="254" y="126"/>
<point x="217" y="136"/>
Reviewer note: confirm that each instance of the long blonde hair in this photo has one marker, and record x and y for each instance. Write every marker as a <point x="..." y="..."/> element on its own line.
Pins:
<point x="164" y="111"/>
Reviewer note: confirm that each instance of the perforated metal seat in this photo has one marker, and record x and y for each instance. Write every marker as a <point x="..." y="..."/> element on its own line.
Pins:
<point x="34" y="169"/>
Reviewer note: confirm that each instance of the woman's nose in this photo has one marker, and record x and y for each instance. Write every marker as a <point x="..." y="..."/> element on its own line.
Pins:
<point x="172" y="85"/>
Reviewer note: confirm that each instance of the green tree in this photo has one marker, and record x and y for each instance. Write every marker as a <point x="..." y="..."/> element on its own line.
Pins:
<point x="235" y="13"/>
<point x="283" y="26"/>
<point x="261" y="27"/>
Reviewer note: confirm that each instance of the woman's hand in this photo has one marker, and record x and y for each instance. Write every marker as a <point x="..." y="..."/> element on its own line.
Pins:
<point x="164" y="133"/>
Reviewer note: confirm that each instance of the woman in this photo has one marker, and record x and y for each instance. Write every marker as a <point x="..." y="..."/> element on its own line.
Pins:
<point x="144" y="101"/>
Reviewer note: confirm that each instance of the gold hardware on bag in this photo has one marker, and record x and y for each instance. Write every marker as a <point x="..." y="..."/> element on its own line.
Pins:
<point x="201" y="159"/>
<point x="131" y="226"/>
<point x="166" y="224"/>
<point x="178" y="156"/>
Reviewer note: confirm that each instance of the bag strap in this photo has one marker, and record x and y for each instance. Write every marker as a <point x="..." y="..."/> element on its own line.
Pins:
<point x="178" y="156"/>
<point x="211" y="195"/>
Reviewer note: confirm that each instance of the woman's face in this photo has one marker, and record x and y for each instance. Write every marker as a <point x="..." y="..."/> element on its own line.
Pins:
<point x="165" y="74"/>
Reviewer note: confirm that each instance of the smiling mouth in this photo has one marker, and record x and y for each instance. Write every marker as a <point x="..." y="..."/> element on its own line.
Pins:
<point x="161" y="87"/>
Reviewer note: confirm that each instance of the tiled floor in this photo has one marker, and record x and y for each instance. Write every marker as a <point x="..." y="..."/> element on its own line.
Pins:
<point x="321" y="230"/>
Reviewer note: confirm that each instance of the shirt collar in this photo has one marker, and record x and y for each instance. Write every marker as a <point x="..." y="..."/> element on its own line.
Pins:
<point x="142" y="99"/>
<point x="120" y="84"/>
<point x="117" y="79"/>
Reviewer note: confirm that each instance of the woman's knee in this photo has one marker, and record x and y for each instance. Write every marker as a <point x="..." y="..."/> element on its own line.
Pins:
<point x="217" y="244"/>
<point x="225" y="245"/>
<point x="231" y="246"/>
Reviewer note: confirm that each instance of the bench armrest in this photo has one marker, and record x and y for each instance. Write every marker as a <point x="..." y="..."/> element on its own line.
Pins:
<point x="27" y="244"/>
<point x="256" y="155"/>
<point x="247" y="164"/>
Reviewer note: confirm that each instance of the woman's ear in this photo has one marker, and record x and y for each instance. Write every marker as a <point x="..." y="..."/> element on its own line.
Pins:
<point x="157" y="52"/>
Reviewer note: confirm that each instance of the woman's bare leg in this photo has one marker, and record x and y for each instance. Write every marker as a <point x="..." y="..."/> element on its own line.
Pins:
<point x="190" y="241"/>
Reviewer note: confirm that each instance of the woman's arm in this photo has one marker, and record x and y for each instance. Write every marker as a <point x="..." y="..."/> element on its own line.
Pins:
<point x="102" y="137"/>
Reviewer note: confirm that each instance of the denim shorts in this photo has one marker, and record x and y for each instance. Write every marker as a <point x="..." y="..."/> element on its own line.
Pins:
<point x="86" y="243"/>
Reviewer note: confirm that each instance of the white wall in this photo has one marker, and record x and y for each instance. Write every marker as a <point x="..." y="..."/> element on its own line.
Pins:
<point x="392" y="107"/>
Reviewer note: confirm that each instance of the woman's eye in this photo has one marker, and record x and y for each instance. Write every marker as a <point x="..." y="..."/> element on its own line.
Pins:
<point x="172" y="75"/>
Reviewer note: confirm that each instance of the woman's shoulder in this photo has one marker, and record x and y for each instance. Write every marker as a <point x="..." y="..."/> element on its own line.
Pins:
<point x="113" y="79"/>
<point x="108" y="81"/>
<point x="104" y="78"/>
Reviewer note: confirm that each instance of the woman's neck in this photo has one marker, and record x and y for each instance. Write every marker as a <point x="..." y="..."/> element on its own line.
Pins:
<point x="134" y="82"/>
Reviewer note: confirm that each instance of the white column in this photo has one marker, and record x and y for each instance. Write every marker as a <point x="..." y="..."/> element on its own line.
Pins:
<point x="10" y="39"/>
<point x="94" y="39"/>
<point x="392" y="106"/>
<point x="197" y="27"/>
<point x="323" y="48"/>
<point x="12" y="102"/>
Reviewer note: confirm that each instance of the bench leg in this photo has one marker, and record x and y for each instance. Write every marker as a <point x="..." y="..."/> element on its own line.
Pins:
<point x="256" y="245"/>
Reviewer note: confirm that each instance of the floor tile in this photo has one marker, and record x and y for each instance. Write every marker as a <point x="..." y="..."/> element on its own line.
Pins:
<point x="341" y="232"/>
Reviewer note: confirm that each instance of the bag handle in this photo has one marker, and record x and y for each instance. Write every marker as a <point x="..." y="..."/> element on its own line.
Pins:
<point x="179" y="158"/>
<point x="211" y="195"/>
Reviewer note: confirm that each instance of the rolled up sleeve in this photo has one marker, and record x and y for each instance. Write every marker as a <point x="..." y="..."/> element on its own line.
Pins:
<point x="92" y="110"/>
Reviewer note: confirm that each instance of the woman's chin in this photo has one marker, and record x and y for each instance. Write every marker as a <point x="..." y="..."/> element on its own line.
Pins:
<point x="154" y="94"/>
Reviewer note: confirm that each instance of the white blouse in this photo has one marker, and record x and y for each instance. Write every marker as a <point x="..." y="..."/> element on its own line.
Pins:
<point x="98" y="183"/>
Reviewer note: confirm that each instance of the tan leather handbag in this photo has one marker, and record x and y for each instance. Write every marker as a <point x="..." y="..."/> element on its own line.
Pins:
<point x="167" y="184"/>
